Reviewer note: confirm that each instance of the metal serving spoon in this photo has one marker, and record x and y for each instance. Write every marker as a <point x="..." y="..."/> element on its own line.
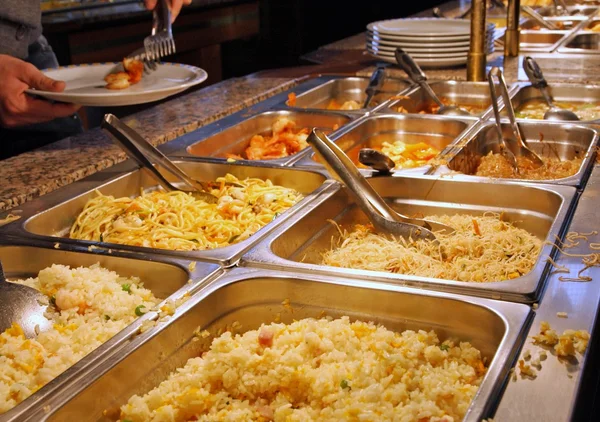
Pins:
<point x="536" y="77"/>
<point x="522" y="147"/>
<point x="146" y="155"/>
<point x="22" y="305"/>
<point x="414" y="72"/>
<point x="381" y="215"/>
<point x="375" y="83"/>
<point x="377" y="160"/>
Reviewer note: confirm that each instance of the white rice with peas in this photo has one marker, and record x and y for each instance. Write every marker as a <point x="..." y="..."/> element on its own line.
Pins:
<point x="318" y="369"/>
<point x="88" y="306"/>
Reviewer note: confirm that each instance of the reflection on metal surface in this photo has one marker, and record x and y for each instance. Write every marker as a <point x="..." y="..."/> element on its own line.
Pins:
<point x="476" y="58"/>
<point x="254" y="297"/>
<point x="299" y="243"/>
<point x="235" y="139"/>
<point x="166" y="278"/>
<point x="564" y="141"/>
<point x="62" y="207"/>
<point x="347" y="89"/>
<point x="512" y="36"/>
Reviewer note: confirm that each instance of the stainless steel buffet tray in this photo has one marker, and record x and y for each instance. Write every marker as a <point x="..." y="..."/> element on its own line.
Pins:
<point x="347" y="89"/>
<point x="543" y="210"/>
<point x="372" y="131"/>
<point x="458" y="92"/>
<point x="252" y="297"/>
<point x="51" y="216"/>
<point x="165" y="277"/>
<point x="549" y="139"/>
<point x="560" y="92"/>
<point x="235" y="139"/>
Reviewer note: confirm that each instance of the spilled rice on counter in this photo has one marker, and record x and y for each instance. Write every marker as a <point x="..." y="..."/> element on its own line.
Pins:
<point x="318" y="369"/>
<point x="88" y="306"/>
<point x="482" y="249"/>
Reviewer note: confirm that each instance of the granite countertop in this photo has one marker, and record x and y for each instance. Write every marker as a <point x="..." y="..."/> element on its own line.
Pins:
<point x="38" y="172"/>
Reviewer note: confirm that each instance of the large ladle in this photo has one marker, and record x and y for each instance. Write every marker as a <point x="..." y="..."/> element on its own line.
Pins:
<point x="381" y="215"/>
<point x="415" y="74"/>
<point x="522" y="149"/>
<point x="146" y="155"/>
<point x="22" y="305"/>
<point x="536" y="77"/>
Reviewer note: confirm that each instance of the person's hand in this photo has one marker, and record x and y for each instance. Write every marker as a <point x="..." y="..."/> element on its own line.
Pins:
<point x="174" y="6"/>
<point x="18" y="108"/>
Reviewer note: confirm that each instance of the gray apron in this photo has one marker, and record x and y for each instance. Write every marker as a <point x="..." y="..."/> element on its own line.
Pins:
<point x="18" y="140"/>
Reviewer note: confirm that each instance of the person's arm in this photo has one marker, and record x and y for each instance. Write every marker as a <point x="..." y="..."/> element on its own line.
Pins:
<point x="174" y="5"/>
<point x="17" y="108"/>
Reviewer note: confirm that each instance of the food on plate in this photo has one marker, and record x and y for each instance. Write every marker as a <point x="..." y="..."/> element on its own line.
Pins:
<point x="535" y="109"/>
<point x="496" y="165"/>
<point x="482" y="249"/>
<point x="402" y="154"/>
<point x="432" y="108"/>
<point x="319" y="369"/>
<point x="132" y="75"/>
<point x="88" y="305"/>
<point x="178" y="221"/>
<point x="285" y="139"/>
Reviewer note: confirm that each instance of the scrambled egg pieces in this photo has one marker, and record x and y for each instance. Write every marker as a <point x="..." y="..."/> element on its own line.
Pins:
<point x="565" y="345"/>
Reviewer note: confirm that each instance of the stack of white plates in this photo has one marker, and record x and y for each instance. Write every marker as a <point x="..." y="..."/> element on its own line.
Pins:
<point x="431" y="42"/>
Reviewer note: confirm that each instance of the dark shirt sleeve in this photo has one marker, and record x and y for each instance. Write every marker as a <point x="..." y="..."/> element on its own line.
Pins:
<point x="20" y="25"/>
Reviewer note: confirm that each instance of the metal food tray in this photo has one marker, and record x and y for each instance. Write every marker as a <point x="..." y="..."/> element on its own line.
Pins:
<point x="372" y="131"/>
<point x="540" y="41"/>
<point x="165" y="277"/>
<point x="542" y="210"/>
<point x="346" y="89"/>
<point x="565" y="140"/>
<point x="236" y="138"/>
<point x="50" y="217"/>
<point x="459" y="92"/>
<point x="252" y="297"/>
<point x="576" y="93"/>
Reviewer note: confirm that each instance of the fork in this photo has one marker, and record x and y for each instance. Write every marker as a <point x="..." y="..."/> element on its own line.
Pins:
<point x="161" y="42"/>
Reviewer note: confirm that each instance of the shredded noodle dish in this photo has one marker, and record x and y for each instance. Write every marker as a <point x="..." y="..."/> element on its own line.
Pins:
<point x="178" y="221"/>
<point x="482" y="249"/>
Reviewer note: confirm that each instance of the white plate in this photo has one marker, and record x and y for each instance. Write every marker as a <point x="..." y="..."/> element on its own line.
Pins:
<point x="424" y="53"/>
<point x="403" y="44"/>
<point x="412" y="48"/>
<point x="424" y="27"/>
<point x="437" y="39"/>
<point x="420" y="56"/>
<point x="86" y="86"/>
<point x="429" y="62"/>
<point x="453" y="42"/>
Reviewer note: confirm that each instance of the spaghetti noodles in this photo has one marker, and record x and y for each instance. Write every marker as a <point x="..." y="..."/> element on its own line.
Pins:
<point x="482" y="249"/>
<point x="178" y="221"/>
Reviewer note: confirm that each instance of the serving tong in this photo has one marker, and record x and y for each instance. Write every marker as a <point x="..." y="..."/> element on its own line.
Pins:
<point x="381" y="215"/>
<point x="521" y="148"/>
<point x="22" y="305"/>
<point x="146" y="155"/>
